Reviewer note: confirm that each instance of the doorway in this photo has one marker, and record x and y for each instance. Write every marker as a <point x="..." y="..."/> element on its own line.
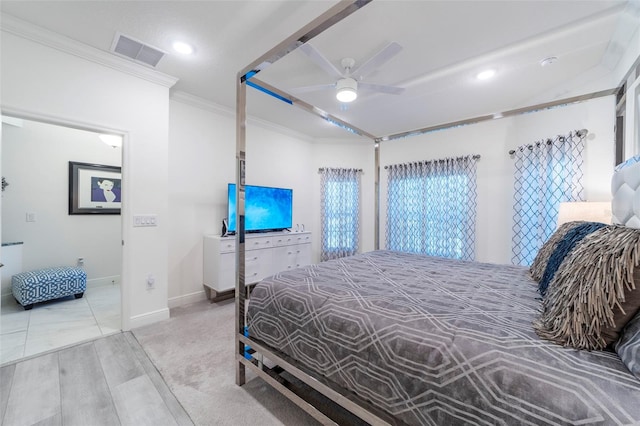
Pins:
<point x="39" y="232"/>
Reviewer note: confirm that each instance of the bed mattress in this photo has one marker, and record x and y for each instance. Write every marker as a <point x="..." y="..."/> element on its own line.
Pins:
<point x="435" y="341"/>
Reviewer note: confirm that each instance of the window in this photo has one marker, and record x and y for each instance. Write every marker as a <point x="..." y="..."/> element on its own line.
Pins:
<point x="340" y="212"/>
<point x="431" y="208"/>
<point x="547" y="173"/>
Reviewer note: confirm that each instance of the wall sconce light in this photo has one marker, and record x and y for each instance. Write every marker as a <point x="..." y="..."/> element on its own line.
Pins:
<point x="114" y="141"/>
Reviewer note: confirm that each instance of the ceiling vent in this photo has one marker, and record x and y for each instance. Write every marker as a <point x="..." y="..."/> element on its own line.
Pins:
<point x="136" y="50"/>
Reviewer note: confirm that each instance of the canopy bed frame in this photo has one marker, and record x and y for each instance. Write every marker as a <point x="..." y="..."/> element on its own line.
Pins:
<point x="321" y="398"/>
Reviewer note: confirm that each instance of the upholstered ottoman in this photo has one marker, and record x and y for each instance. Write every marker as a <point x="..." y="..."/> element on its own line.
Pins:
<point x="47" y="284"/>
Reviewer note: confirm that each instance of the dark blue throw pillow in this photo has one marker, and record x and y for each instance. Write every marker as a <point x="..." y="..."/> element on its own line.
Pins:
<point x="565" y="245"/>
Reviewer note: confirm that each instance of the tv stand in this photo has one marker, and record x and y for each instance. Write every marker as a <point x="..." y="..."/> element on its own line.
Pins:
<point x="265" y="254"/>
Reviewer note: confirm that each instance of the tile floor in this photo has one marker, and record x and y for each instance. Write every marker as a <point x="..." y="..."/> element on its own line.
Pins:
<point x="58" y="323"/>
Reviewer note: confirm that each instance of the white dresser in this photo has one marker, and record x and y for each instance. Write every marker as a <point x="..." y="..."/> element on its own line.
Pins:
<point x="265" y="255"/>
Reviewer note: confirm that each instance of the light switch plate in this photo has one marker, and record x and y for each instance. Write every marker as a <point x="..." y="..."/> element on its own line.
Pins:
<point x="140" y="220"/>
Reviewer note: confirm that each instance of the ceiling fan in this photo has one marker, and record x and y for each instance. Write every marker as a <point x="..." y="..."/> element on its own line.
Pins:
<point x="350" y="79"/>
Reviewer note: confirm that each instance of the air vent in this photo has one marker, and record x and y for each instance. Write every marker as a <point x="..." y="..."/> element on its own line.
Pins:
<point x="136" y="50"/>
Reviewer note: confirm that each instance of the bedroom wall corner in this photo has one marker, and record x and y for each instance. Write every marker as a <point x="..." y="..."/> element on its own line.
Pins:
<point x="202" y="162"/>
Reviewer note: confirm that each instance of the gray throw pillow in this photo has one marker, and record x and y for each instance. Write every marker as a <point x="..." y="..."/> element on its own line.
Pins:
<point x="628" y="347"/>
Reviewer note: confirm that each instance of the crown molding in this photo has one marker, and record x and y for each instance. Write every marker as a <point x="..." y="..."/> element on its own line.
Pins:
<point x="12" y="25"/>
<point x="198" y="102"/>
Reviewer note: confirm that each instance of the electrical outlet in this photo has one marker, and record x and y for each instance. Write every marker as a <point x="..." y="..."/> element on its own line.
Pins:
<point x="80" y="262"/>
<point x="151" y="281"/>
<point x="31" y="217"/>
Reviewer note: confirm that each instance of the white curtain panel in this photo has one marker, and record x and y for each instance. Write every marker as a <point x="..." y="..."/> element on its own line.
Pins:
<point x="547" y="173"/>
<point x="340" y="212"/>
<point x="431" y="207"/>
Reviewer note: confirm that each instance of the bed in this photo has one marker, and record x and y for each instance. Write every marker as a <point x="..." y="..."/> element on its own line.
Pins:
<point x="438" y="341"/>
<point x="397" y="338"/>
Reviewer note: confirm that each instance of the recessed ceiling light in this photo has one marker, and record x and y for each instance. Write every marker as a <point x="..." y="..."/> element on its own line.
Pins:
<point x="182" y="47"/>
<point x="548" y="61"/>
<point x="485" y="75"/>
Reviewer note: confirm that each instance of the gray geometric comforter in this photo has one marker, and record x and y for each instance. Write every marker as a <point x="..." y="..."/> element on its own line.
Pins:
<point x="435" y="341"/>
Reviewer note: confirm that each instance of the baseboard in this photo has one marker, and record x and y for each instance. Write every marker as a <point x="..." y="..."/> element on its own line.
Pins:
<point x="7" y="298"/>
<point x="103" y="281"/>
<point x="187" y="299"/>
<point x="148" y="318"/>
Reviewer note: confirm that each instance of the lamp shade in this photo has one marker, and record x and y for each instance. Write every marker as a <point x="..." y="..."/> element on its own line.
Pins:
<point x="590" y="211"/>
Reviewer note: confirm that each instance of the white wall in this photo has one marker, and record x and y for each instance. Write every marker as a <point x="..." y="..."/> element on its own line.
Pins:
<point x="493" y="140"/>
<point x="35" y="161"/>
<point x="41" y="81"/>
<point x="202" y="161"/>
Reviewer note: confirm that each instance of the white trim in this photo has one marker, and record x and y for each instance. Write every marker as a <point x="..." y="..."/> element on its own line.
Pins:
<point x="187" y="299"/>
<point x="147" y="318"/>
<point x="198" y="102"/>
<point x="632" y="120"/>
<point x="20" y="28"/>
<point x="103" y="281"/>
<point x="7" y="298"/>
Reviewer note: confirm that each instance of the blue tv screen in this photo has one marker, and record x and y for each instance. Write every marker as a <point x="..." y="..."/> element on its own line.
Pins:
<point x="265" y="208"/>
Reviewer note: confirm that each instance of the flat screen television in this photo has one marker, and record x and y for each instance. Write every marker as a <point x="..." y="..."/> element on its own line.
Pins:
<point x="265" y="209"/>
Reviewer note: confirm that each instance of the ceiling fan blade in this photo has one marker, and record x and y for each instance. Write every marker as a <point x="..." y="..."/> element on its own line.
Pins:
<point x="317" y="87"/>
<point x="320" y="60"/>
<point x="391" y="50"/>
<point x="391" y="90"/>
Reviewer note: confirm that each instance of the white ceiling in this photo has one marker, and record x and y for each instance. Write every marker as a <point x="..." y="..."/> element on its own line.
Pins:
<point x="445" y="44"/>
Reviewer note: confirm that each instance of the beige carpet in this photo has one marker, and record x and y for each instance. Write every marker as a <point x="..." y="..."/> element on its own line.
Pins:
<point x="194" y="352"/>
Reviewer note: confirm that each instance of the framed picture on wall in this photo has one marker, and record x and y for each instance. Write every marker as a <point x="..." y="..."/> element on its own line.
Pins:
<point x="94" y="188"/>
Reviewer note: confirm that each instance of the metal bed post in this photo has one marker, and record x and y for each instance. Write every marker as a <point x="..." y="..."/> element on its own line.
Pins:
<point x="241" y="144"/>
<point x="376" y="196"/>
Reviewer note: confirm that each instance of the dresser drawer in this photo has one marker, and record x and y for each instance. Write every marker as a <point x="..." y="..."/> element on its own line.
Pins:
<point x="257" y="243"/>
<point x="283" y="240"/>
<point x="228" y="245"/>
<point x="302" y="238"/>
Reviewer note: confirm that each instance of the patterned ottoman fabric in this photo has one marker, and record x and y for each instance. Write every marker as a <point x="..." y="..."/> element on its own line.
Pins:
<point x="47" y="284"/>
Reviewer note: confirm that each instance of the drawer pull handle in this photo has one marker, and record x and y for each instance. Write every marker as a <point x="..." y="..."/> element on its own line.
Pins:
<point x="289" y="252"/>
<point x="298" y="251"/>
<point x="255" y="258"/>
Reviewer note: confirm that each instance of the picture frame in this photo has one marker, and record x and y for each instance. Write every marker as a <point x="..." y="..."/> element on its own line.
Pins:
<point x="94" y="188"/>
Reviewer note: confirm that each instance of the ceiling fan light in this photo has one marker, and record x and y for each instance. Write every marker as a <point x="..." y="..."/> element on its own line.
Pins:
<point x="347" y="90"/>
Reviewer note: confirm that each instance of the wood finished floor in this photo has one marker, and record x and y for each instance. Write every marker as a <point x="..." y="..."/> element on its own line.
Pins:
<point x="109" y="381"/>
